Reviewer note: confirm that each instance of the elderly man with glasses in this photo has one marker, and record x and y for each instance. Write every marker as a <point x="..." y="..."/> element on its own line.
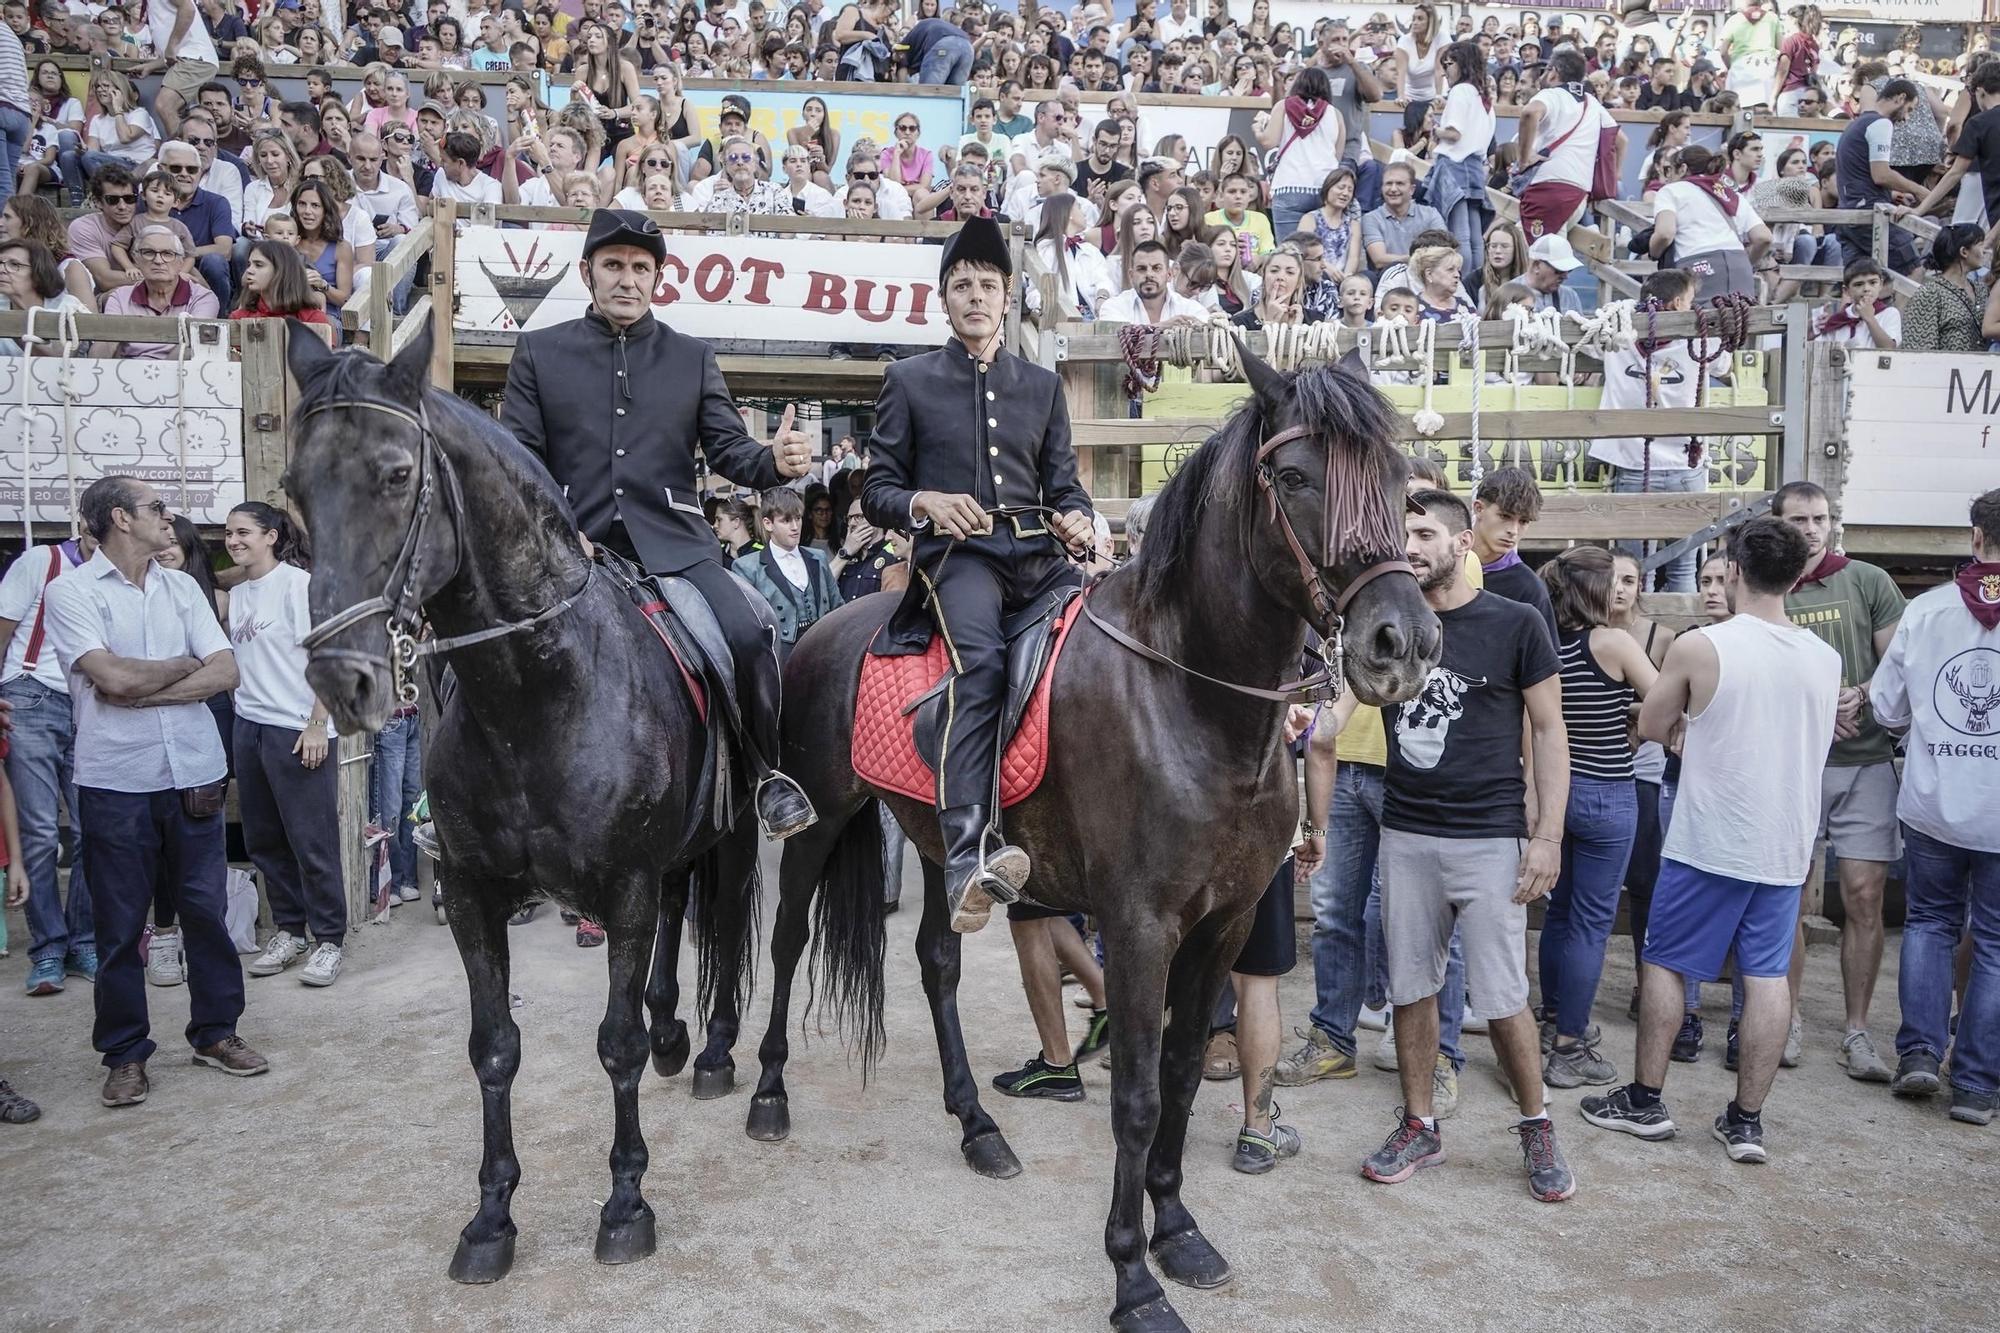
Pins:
<point x="163" y="290"/>
<point x="737" y="189"/>
<point x="203" y="212"/>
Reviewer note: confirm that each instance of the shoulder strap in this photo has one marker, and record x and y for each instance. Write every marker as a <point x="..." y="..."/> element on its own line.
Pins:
<point x="34" y="653"/>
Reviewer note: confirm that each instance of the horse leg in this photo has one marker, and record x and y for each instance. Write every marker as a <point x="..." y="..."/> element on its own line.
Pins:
<point x="625" y="1228"/>
<point x="668" y="1032"/>
<point x="1200" y="966"/>
<point x="479" y="928"/>
<point x="1135" y="985"/>
<point x="805" y="855"/>
<point x="985" y="1148"/>
<point x="732" y="902"/>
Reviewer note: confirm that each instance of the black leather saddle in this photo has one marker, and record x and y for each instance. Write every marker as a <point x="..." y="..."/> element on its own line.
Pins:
<point x="1030" y="637"/>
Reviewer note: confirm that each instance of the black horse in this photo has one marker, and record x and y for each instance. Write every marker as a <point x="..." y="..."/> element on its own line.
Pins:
<point x="1170" y="798"/>
<point x="564" y="763"/>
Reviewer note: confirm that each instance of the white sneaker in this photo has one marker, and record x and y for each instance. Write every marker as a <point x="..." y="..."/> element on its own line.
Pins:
<point x="280" y="952"/>
<point x="409" y="893"/>
<point x="1385" y="1054"/>
<point x="323" y="967"/>
<point x="1375" y="1020"/>
<point x="164" y="965"/>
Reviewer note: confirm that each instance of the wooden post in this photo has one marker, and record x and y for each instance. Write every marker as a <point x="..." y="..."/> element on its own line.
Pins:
<point x="381" y="313"/>
<point x="267" y="402"/>
<point x="354" y="754"/>
<point x="444" y="253"/>
<point x="1878" y="236"/>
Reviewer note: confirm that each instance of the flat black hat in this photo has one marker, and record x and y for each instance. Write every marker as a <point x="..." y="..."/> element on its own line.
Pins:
<point x="977" y="241"/>
<point x="622" y="226"/>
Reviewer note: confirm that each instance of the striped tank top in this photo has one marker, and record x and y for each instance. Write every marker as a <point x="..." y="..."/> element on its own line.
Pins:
<point x="1595" y="712"/>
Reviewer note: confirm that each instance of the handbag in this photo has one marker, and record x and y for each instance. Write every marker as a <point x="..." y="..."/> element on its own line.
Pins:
<point x="205" y="801"/>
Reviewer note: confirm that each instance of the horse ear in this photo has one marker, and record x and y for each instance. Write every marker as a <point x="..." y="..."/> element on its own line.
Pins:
<point x="1267" y="382"/>
<point x="411" y="369"/>
<point x="306" y="353"/>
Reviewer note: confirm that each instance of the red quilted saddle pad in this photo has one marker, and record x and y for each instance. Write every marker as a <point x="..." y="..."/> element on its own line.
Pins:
<point x="885" y="748"/>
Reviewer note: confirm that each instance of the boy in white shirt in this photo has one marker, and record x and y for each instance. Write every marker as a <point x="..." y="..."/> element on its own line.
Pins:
<point x="1397" y="303"/>
<point x="1862" y="319"/>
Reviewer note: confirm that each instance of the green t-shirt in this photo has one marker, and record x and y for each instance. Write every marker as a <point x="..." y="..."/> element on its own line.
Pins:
<point x="1846" y="610"/>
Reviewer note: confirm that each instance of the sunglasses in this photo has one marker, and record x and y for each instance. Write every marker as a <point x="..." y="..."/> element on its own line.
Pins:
<point x="115" y="200"/>
<point x="864" y="175"/>
<point x="182" y="169"/>
<point x="157" y="508"/>
<point x="740" y="157"/>
<point x="910" y="129"/>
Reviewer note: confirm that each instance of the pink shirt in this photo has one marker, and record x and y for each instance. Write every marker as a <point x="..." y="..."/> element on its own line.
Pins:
<point x="189" y="298"/>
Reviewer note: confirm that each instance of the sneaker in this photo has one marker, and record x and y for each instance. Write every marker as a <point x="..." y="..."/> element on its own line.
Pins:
<point x="165" y="964"/>
<point x="1614" y="1110"/>
<point x="1385" y="1052"/>
<point x="1687" y="1042"/>
<point x="1744" y="1139"/>
<point x="1592" y="1034"/>
<point x="1577" y="1065"/>
<point x="1407" y="1150"/>
<point x="18" y="1110"/>
<point x="45" y="977"/>
<point x="525" y="915"/>
<point x="1316" y="1058"/>
<point x="1857" y="1052"/>
<point x="1973" y="1108"/>
<point x="1795" y="1044"/>
<point x="1444" y="1088"/>
<point x="1549" y="1178"/>
<point x="406" y="893"/>
<point x="1732" y="1052"/>
<point x="280" y="952"/>
<point x="1219" y="1060"/>
<point x="232" y="1055"/>
<point x="1257" y="1153"/>
<point x="125" y="1085"/>
<point x="589" y="935"/>
<point x="82" y="963"/>
<point x="1039" y="1078"/>
<point x="1375" y="1020"/>
<point x="323" y="968"/>
<point x="1916" y="1075"/>
<point x="1096" y="1037"/>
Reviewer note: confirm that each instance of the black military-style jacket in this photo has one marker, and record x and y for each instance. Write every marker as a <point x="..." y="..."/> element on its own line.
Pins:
<point x="617" y="418"/>
<point x="947" y="422"/>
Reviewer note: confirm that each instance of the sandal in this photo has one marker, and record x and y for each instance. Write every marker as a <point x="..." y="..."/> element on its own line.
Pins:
<point x="1219" y="1061"/>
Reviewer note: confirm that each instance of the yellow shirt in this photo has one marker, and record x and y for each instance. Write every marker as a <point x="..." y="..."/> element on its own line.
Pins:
<point x="1362" y="740"/>
<point x="1254" y="223"/>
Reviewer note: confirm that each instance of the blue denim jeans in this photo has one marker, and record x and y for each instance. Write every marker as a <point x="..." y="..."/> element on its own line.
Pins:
<point x="948" y="62"/>
<point x="1289" y="207"/>
<point x="394" y="781"/>
<point x="78" y="165"/>
<point x="1339" y="893"/>
<point x="1944" y="885"/>
<point x="1597" y="843"/>
<point x="1678" y="573"/>
<point x="15" y="127"/>
<point x="38" y="766"/>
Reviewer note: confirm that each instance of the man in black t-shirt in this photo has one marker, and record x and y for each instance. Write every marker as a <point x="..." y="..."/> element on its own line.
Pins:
<point x="1978" y="147"/>
<point x="1456" y="850"/>
<point x="1506" y="502"/>
<point x="1102" y="168"/>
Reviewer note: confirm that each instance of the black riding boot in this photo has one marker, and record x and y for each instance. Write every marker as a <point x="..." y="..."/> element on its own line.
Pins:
<point x="782" y="808"/>
<point x="976" y="876"/>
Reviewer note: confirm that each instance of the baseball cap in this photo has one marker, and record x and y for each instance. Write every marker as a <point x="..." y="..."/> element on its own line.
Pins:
<point x="1702" y="67"/>
<point x="1555" y="251"/>
<point x="735" y="102"/>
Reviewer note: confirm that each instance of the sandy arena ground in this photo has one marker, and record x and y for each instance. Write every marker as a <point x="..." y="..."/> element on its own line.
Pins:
<point x="328" y="1194"/>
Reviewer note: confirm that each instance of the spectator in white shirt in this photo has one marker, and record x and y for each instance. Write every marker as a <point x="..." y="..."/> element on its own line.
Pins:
<point x="1151" y="299"/>
<point x="459" y="178"/>
<point x="1862" y="318"/>
<point x="808" y="199"/>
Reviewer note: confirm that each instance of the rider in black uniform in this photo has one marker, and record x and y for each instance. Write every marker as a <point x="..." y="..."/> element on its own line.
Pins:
<point x="616" y="404"/>
<point x="959" y="432"/>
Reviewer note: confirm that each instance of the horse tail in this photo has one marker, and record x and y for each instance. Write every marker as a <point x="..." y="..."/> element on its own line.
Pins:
<point x="725" y="886"/>
<point x="848" y="937"/>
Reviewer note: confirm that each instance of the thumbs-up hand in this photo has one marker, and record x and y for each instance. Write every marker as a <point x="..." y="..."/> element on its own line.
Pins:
<point x="791" y="445"/>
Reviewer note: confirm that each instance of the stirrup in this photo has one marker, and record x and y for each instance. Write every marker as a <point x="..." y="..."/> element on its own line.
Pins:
<point x="798" y="820"/>
<point x="1000" y="872"/>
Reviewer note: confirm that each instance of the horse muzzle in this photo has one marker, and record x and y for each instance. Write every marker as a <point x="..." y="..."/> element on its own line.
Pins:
<point x="1392" y="641"/>
<point x="358" y="689"/>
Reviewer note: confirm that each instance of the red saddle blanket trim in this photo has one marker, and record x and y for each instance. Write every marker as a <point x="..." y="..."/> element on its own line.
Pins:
<point x="688" y="678"/>
<point x="884" y="749"/>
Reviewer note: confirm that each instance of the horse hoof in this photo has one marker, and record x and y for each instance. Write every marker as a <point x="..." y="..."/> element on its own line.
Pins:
<point x="671" y="1058"/>
<point x="770" y="1118"/>
<point x="623" y="1244"/>
<point x="709" y="1084"/>
<point x="482" y="1260"/>
<point x="1190" y="1260"/>
<point x="989" y="1155"/>
<point x="1155" y="1316"/>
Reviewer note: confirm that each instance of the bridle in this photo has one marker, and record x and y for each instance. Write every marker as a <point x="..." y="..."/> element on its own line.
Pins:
<point x="1324" y="685"/>
<point x="401" y="598"/>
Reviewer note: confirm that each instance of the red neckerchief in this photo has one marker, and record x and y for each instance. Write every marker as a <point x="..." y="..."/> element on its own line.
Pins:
<point x="1979" y="584"/>
<point x="1830" y="564"/>
<point x="1718" y="187"/>
<point x="1072" y="244"/>
<point x="1844" y="317"/>
<point x="1304" y="114"/>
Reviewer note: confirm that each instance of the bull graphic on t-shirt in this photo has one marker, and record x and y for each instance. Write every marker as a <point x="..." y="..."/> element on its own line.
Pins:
<point x="1425" y="721"/>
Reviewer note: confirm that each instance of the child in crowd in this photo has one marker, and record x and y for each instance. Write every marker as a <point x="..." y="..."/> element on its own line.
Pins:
<point x="1862" y="318"/>
<point x="1357" y="297"/>
<point x="1399" y="304"/>
<point x="156" y="209"/>
<point x="794" y="579"/>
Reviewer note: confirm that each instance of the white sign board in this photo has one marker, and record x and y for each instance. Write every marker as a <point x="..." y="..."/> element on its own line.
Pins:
<point x="115" y="416"/>
<point x="782" y="288"/>
<point x="1923" y="437"/>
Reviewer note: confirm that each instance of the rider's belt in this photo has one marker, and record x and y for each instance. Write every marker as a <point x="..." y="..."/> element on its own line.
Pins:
<point x="682" y="505"/>
<point x="1021" y="524"/>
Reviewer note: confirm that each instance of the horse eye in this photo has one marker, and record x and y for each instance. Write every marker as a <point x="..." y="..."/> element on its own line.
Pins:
<point x="1292" y="479"/>
<point x="397" y="477"/>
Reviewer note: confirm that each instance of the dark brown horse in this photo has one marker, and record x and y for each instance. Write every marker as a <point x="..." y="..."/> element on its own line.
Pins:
<point x="564" y="764"/>
<point x="1169" y="799"/>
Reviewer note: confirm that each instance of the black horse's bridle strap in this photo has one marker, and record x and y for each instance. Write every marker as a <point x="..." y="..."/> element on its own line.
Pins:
<point x="1319" y="687"/>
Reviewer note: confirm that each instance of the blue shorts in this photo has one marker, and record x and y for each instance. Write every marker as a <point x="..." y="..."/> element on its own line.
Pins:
<point x="1697" y="918"/>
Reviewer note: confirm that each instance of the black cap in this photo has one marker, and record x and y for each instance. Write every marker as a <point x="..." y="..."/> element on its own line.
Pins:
<point x="735" y="102"/>
<point x="977" y="241"/>
<point x="622" y="226"/>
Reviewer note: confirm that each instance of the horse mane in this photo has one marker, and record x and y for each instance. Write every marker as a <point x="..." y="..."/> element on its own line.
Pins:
<point x="1220" y="477"/>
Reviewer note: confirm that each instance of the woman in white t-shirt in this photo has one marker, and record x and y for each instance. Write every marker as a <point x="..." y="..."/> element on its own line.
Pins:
<point x="1308" y="134"/>
<point x="286" y="789"/>
<point x="122" y="131"/>
<point x="1703" y="225"/>
<point x="1416" y="57"/>
<point x="1457" y="180"/>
